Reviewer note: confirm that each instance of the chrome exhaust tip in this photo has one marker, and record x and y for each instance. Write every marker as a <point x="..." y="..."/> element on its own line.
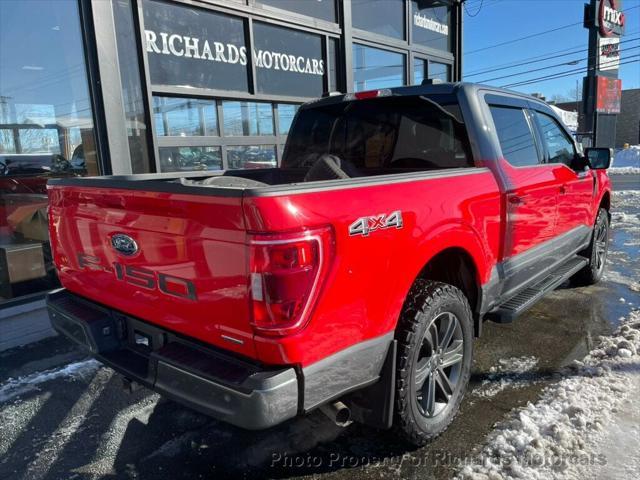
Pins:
<point x="338" y="413"/>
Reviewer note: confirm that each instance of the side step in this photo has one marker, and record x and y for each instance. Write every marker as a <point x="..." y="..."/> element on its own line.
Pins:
<point x="516" y="305"/>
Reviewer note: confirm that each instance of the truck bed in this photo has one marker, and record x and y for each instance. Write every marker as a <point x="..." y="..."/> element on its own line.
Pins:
<point x="199" y="234"/>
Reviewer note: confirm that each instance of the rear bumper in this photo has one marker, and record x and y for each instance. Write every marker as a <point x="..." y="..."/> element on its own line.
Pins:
<point x="220" y="385"/>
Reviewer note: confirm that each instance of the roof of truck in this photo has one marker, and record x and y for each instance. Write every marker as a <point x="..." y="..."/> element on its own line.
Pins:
<point x="447" y="88"/>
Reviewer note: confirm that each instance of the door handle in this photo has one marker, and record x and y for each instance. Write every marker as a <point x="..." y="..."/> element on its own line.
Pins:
<point x="516" y="200"/>
<point x="563" y="189"/>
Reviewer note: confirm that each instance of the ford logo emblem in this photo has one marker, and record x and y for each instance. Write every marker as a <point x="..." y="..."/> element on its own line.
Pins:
<point x="124" y="244"/>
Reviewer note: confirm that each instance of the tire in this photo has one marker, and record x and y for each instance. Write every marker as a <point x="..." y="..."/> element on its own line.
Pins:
<point x="596" y="252"/>
<point x="429" y="309"/>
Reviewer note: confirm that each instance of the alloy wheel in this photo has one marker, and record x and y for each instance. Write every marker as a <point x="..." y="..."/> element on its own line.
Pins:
<point x="438" y="364"/>
<point x="601" y="238"/>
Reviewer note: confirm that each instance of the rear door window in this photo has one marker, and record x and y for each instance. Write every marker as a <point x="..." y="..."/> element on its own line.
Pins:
<point x="390" y="133"/>
<point x="515" y="136"/>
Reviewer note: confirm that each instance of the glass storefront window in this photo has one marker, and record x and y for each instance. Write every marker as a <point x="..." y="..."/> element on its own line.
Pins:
<point x="385" y="17"/>
<point x="186" y="159"/>
<point x="247" y="118"/>
<point x="181" y="117"/>
<point x="322" y="9"/>
<point x="46" y="130"/>
<point x="286" y="112"/>
<point x="252" y="156"/>
<point x="131" y="80"/>
<point x="439" y="71"/>
<point x="419" y="70"/>
<point x="431" y="23"/>
<point x="333" y="61"/>
<point x="375" y="68"/>
<point x="194" y="47"/>
<point x="288" y="62"/>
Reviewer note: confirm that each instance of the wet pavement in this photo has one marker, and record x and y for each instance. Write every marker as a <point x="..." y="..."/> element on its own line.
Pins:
<point x="67" y="417"/>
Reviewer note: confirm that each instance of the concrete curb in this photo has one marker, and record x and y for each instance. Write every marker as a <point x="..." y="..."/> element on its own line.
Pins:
<point x="24" y="324"/>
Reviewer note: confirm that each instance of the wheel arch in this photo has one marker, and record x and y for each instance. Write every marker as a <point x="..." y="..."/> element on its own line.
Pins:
<point x="455" y="266"/>
<point x="461" y="247"/>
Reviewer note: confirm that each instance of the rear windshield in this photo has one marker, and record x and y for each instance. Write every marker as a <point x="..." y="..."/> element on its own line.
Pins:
<point x="391" y="133"/>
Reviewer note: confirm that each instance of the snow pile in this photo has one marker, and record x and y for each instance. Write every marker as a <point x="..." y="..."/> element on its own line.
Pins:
<point x="626" y="199"/>
<point x="18" y="386"/>
<point x="629" y="157"/>
<point x="625" y="170"/>
<point x="625" y="220"/>
<point x="556" y="437"/>
<point x="514" y="372"/>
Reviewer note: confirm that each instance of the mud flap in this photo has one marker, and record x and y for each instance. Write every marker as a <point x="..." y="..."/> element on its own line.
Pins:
<point x="373" y="405"/>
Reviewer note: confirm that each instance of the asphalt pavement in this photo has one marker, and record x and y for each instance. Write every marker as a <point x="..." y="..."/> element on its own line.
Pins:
<point x="62" y="416"/>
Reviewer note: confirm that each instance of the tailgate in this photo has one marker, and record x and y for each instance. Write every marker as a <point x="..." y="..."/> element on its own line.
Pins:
<point x="174" y="260"/>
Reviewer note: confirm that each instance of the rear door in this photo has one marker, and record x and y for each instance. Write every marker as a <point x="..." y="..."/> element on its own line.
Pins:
<point x="576" y="183"/>
<point x="531" y="193"/>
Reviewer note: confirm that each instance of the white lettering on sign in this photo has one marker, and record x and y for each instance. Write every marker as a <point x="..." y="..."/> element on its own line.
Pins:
<point x="611" y="19"/>
<point x="613" y="16"/>
<point x="430" y="24"/>
<point x="191" y="47"/>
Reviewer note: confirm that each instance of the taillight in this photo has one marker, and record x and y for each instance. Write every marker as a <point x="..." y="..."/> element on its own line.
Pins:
<point x="286" y="274"/>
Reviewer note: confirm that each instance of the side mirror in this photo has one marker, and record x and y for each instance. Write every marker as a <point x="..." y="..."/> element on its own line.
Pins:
<point x="598" y="158"/>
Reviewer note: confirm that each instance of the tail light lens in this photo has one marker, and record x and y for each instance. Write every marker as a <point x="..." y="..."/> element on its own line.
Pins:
<point x="286" y="274"/>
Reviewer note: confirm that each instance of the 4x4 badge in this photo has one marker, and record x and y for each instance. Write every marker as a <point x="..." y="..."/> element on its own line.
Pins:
<point x="365" y="225"/>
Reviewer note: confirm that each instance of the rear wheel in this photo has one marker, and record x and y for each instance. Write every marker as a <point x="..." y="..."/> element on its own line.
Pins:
<point x="596" y="252"/>
<point x="435" y="348"/>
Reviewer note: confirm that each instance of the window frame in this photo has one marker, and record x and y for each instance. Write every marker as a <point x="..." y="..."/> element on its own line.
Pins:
<point x="224" y="141"/>
<point x="374" y="46"/>
<point x="429" y="59"/>
<point x="543" y="142"/>
<point x="341" y="31"/>
<point x="523" y="107"/>
<point x="257" y="11"/>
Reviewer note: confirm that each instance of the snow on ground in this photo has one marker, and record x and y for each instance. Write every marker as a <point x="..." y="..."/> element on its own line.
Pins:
<point x="626" y="198"/>
<point x="14" y="387"/>
<point x="563" y="435"/>
<point x="621" y="218"/>
<point x="625" y="220"/>
<point x="625" y="170"/>
<point x="629" y="157"/>
<point x="514" y="372"/>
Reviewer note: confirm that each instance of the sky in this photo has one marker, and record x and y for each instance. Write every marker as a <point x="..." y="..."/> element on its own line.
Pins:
<point x="491" y="22"/>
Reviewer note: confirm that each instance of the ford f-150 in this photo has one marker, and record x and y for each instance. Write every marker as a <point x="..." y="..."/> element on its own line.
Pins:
<point x="353" y="277"/>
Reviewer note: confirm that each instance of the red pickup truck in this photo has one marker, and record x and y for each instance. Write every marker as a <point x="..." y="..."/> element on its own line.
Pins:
<point x="354" y="277"/>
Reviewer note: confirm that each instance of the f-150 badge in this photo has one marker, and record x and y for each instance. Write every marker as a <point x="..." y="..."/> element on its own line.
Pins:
<point x="365" y="225"/>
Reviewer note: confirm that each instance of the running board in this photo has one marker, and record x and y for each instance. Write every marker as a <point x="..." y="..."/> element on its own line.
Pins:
<point x="516" y="305"/>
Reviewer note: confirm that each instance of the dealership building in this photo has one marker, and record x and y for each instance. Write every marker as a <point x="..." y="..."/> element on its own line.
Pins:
<point x="94" y="87"/>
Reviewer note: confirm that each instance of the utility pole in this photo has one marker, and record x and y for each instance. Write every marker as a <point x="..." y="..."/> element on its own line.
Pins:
<point x="601" y="88"/>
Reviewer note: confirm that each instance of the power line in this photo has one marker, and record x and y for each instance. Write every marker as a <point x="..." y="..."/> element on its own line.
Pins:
<point x="533" y="35"/>
<point x="540" y="58"/>
<point x="567" y="73"/>
<point x="550" y="66"/>
<point x="477" y="11"/>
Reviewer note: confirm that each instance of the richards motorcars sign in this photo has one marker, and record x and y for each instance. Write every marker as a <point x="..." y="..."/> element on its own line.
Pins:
<point x="198" y="48"/>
